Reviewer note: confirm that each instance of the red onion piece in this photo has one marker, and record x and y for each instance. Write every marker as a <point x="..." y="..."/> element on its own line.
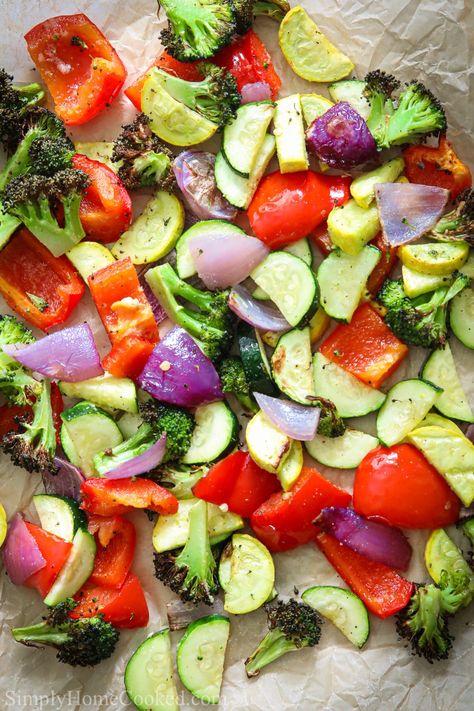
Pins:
<point x="158" y="311"/>
<point x="256" y="91"/>
<point x="143" y="463"/>
<point x="66" y="482"/>
<point x="178" y="372"/>
<point x="70" y="355"/>
<point x="21" y="554"/>
<point x="257" y="313"/>
<point x="384" y="544"/>
<point x="296" y="421"/>
<point x="340" y="137"/>
<point x="194" y="171"/>
<point x="407" y="210"/>
<point x="227" y="259"/>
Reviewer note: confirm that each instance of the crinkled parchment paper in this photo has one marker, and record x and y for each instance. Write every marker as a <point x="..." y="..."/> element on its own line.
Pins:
<point x="427" y="39"/>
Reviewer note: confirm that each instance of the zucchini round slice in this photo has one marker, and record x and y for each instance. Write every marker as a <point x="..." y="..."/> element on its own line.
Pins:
<point x="452" y="401"/>
<point x="59" y="515"/>
<point x="216" y="433"/>
<point x="200" y="657"/>
<point x="461" y="316"/>
<point x="105" y="391"/>
<point x="344" y="609"/>
<point x="344" y="452"/>
<point x="148" y="676"/>
<point x="292" y="365"/>
<point x="244" y="137"/>
<point x="76" y="569"/>
<point x="407" y="403"/>
<point x="249" y="574"/>
<point x="441" y="553"/>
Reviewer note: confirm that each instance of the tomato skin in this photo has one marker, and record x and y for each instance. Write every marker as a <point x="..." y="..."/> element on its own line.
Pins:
<point x="82" y="76"/>
<point x="125" y="608"/>
<point x="365" y="347"/>
<point x="183" y="70"/>
<point x="288" y="207"/>
<point x="437" y="165"/>
<point x="285" y="520"/>
<point x="238" y="482"/>
<point x="55" y="552"/>
<point x="399" y="486"/>
<point x="383" y="591"/>
<point x="106" y="207"/>
<point x="112" y="559"/>
<point x="27" y="266"/>
<point x="109" y="497"/>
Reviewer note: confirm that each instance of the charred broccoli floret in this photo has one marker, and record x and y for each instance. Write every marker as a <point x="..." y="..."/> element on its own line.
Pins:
<point x="180" y="478"/>
<point x="330" y="423"/>
<point x="34" y="447"/>
<point x="378" y="91"/>
<point x="233" y="380"/>
<point x="33" y="200"/>
<point x="216" y="97"/>
<point x="458" y="225"/>
<point x="192" y="571"/>
<point x="421" y="321"/>
<point x="83" y="642"/>
<point x="176" y="422"/>
<point x="424" y="622"/>
<point x="144" y="160"/>
<point x="50" y="155"/>
<point x="210" y="324"/>
<point x="15" y="100"/>
<point x="197" y="29"/>
<point x="293" y="625"/>
<point x="246" y="10"/>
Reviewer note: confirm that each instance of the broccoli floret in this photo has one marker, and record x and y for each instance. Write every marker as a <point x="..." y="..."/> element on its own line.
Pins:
<point x="418" y="114"/>
<point x="216" y="97"/>
<point x="246" y="10"/>
<point x="192" y="571"/>
<point x="424" y="622"/>
<point x="379" y="88"/>
<point x="458" y="225"/>
<point x="180" y="478"/>
<point x="35" y="446"/>
<point x="13" y="331"/>
<point x="211" y="325"/>
<point x="84" y="642"/>
<point x="330" y="423"/>
<point x="233" y="380"/>
<point x="197" y="29"/>
<point x="50" y="155"/>
<point x="144" y="160"/>
<point x="16" y="382"/>
<point x="176" y="422"/>
<point x="421" y="321"/>
<point x="33" y="199"/>
<point x="15" y="100"/>
<point x="293" y="625"/>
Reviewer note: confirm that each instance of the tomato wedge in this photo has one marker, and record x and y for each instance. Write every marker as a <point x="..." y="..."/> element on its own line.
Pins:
<point x="287" y="207"/>
<point x="399" y="486"/>
<point x="78" y="64"/>
<point x="125" y="608"/>
<point x="381" y="589"/>
<point x="365" y="347"/>
<point x="439" y="165"/>
<point x="108" y="497"/>
<point x="285" y="520"/>
<point x="55" y="552"/>
<point x="114" y="556"/>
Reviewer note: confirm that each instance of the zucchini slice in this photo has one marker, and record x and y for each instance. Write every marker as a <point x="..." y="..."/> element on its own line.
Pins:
<point x="351" y="226"/>
<point x="407" y="403"/>
<point x="184" y="261"/>
<point x="440" y="258"/>
<point x="363" y="187"/>
<point x="342" y="279"/>
<point x="344" y="452"/>
<point x="290" y="135"/>
<point x="267" y="445"/>
<point x="344" y="609"/>
<point x="292" y="366"/>
<point x="59" y="515"/>
<point x="416" y="283"/>
<point x="461" y="316"/>
<point x="251" y="574"/>
<point x="105" y="391"/>
<point x="89" y="257"/>
<point x="76" y="569"/>
<point x="149" y="675"/>
<point x="200" y="657"/>
<point x="351" y="397"/>
<point x="314" y="106"/>
<point x="452" y="401"/>
<point x="351" y="91"/>
<point x="236" y="189"/>
<point x="290" y="284"/>
<point x="216" y="433"/>
<point x="441" y="553"/>
<point x="290" y="469"/>
<point x="244" y="137"/>
<point x="254" y="358"/>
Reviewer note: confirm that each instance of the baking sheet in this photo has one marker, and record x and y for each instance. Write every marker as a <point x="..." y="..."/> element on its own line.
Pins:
<point x="426" y="39"/>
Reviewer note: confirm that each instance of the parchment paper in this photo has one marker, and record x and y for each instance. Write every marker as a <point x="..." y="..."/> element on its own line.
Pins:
<point x="426" y="39"/>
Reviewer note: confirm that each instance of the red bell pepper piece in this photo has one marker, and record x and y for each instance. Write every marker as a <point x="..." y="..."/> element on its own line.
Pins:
<point x="128" y="357"/>
<point x="78" y="64"/>
<point x="10" y="415"/>
<point x="28" y="267"/>
<point x="238" y="482"/>
<point x="285" y="520"/>
<point x="382" y="590"/>
<point x="249" y="61"/>
<point x="57" y="406"/>
<point x="384" y="266"/>
<point x="437" y="165"/>
<point x="115" y="550"/>
<point x="165" y="61"/>
<point x="322" y="240"/>
<point x="365" y="347"/>
<point x="55" y="552"/>
<point x="125" y="608"/>
<point x="109" y="497"/>
<point x="106" y="207"/>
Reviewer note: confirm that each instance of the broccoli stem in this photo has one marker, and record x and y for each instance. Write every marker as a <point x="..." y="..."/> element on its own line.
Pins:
<point x="41" y="432"/>
<point x="140" y="442"/>
<point x="273" y="646"/>
<point x="197" y="554"/>
<point x="20" y="160"/>
<point x="41" y="633"/>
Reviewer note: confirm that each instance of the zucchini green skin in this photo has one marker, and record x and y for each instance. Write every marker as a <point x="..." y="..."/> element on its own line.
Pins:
<point x="461" y="316"/>
<point x="440" y="369"/>
<point x="256" y="370"/>
<point x="149" y="670"/>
